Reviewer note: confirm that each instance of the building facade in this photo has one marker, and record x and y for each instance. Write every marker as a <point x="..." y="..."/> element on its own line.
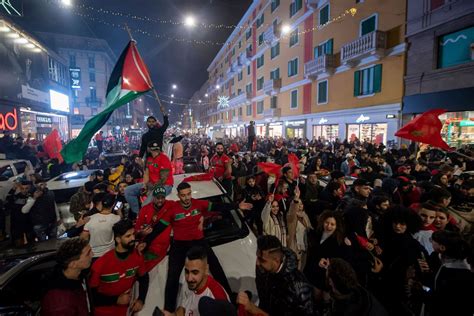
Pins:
<point x="312" y="68"/>
<point x="440" y="65"/>
<point x="34" y="85"/>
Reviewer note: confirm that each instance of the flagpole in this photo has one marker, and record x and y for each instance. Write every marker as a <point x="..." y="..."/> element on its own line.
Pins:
<point x="155" y="93"/>
<point x="463" y="155"/>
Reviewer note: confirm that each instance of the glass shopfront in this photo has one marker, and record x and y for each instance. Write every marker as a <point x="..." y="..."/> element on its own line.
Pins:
<point x="39" y="125"/>
<point x="260" y="130"/>
<point x="295" y="129"/>
<point x="275" y="129"/>
<point x="326" y="132"/>
<point x="458" y="128"/>
<point x="375" y="133"/>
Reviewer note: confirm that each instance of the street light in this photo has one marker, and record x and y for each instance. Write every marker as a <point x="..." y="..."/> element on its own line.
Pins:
<point x="174" y="86"/>
<point x="199" y="101"/>
<point x="218" y="86"/>
<point x="67" y="2"/>
<point x="206" y="95"/>
<point x="172" y="95"/>
<point x="190" y="21"/>
<point x="171" y="102"/>
<point x="285" y="29"/>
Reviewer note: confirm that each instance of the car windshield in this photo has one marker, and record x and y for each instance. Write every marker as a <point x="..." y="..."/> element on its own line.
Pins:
<point x="225" y="226"/>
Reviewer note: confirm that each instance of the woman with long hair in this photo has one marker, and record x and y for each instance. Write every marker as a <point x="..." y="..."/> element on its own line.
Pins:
<point x="273" y="220"/>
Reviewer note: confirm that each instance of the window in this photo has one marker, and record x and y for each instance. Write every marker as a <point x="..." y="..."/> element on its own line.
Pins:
<point x="248" y="33"/>
<point x="91" y="62"/>
<point x="248" y="88"/>
<point x="57" y="72"/>
<point x="368" y="81"/>
<point x="92" y="76"/>
<point x="260" y="83"/>
<point x="324" y="48"/>
<point x="239" y="91"/>
<point x="233" y="51"/>
<point x="293" y="67"/>
<point x="295" y="6"/>
<point x="294" y="38"/>
<point x="273" y="102"/>
<point x="240" y="44"/>
<point x="323" y="92"/>
<point x="248" y="69"/>
<point x="260" y="39"/>
<point x="260" y="61"/>
<point x="72" y="60"/>
<point x="435" y="4"/>
<point x="260" y="107"/>
<point x="233" y="112"/>
<point x="455" y="48"/>
<point x="368" y="25"/>
<point x="240" y="111"/>
<point x="275" y="4"/>
<point x="249" y="49"/>
<point x="294" y="99"/>
<point x="275" y="74"/>
<point x="260" y="21"/>
<point x="93" y="94"/>
<point x="275" y="50"/>
<point x="324" y="15"/>
<point x="249" y="109"/>
<point x="240" y="76"/>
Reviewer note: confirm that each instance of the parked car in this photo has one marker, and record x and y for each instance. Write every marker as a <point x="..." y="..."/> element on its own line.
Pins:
<point x="10" y="170"/>
<point x="231" y="239"/>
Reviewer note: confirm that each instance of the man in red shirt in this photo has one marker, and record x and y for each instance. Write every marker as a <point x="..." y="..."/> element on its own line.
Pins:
<point x="99" y="140"/>
<point x="158" y="170"/>
<point x="113" y="276"/>
<point x="148" y="217"/>
<point x="186" y="216"/>
<point x="222" y="167"/>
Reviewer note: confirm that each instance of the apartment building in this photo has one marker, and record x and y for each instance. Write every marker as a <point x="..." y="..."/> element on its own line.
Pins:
<point x="440" y="65"/>
<point x="312" y="68"/>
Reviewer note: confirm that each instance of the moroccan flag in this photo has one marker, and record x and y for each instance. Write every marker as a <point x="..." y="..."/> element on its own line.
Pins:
<point x="200" y="177"/>
<point x="425" y="128"/>
<point x="294" y="164"/>
<point x="52" y="145"/>
<point x="129" y="79"/>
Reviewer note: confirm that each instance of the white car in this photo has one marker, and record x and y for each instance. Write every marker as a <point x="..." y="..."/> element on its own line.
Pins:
<point x="231" y="239"/>
<point x="10" y="170"/>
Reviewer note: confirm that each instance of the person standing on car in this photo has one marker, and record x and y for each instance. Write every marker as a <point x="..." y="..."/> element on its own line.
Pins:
<point x="43" y="211"/>
<point x="158" y="170"/>
<point x="251" y="136"/>
<point x="114" y="274"/>
<point x="155" y="133"/>
<point x="186" y="217"/>
<point x="67" y="288"/>
<point x="99" y="140"/>
<point x="221" y="164"/>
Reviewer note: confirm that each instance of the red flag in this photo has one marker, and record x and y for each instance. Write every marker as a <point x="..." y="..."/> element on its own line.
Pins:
<point x="52" y="145"/>
<point x="270" y="168"/>
<point x="425" y="128"/>
<point x="294" y="164"/>
<point x="200" y="177"/>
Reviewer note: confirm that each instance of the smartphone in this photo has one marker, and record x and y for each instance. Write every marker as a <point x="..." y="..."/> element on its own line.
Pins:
<point x="118" y="205"/>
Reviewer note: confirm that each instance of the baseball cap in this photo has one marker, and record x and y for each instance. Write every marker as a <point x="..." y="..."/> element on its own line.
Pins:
<point x="159" y="190"/>
<point x="361" y="182"/>
<point x="153" y="146"/>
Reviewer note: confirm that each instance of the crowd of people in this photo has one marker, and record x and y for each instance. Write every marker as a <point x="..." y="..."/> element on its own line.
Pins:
<point x="343" y="228"/>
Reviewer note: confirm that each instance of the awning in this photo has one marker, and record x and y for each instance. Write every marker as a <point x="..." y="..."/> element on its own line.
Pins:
<point x="451" y="100"/>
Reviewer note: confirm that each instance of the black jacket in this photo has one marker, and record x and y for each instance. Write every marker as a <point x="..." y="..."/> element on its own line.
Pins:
<point x="43" y="212"/>
<point x="287" y="292"/>
<point x="154" y="135"/>
<point x="359" y="302"/>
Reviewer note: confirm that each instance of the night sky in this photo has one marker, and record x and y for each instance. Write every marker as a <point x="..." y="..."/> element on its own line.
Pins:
<point x="169" y="61"/>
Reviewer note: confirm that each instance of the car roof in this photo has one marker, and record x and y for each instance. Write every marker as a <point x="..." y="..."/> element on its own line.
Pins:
<point x="200" y="189"/>
<point x="4" y="162"/>
<point x="55" y="184"/>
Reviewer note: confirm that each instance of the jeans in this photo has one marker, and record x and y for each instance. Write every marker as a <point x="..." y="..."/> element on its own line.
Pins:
<point x="177" y="257"/>
<point x="45" y="231"/>
<point x="132" y="194"/>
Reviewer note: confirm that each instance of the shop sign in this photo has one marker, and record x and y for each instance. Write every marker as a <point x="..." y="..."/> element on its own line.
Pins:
<point x="295" y="123"/>
<point x="41" y="119"/>
<point x="362" y="118"/>
<point x="466" y="123"/>
<point x="9" y="121"/>
<point x="75" y="75"/>
<point x="275" y="124"/>
<point x="323" y="121"/>
<point x="34" y="94"/>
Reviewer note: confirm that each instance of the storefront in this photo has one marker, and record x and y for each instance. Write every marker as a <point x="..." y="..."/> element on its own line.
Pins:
<point x="260" y="129"/>
<point x="39" y="124"/>
<point x="376" y="124"/>
<point x="275" y="129"/>
<point x="458" y="122"/>
<point x="295" y="129"/>
<point x="9" y="120"/>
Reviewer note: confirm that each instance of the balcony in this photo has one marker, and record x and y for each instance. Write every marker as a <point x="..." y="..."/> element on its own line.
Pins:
<point x="231" y="70"/>
<point x="236" y="65"/>
<point x="243" y="98"/>
<point x="315" y="4"/>
<point x="271" y="113"/>
<point x="272" y="86"/>
<point x="271" y="35"/>
<point x="320" y="65"/>
<point x="371" y="44"/>
<point x="93" y="102"/>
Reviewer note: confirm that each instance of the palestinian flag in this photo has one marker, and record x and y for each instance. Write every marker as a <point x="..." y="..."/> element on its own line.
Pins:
<point x="129" y="79"/>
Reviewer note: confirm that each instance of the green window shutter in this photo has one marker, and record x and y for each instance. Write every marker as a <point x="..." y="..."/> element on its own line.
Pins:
<point x="294" y="99"/>
<point x="299" y="4"/>
<point x="368" y="26"/>
<point x="324" y="15"/>
<point x="289" y="68"/>
<point x="356" y="83"/>
<point x="277" y="73"/>
<point x="322" y="92"/>
<point x="277" y="49"/>
<point x="329" y="46"/>
<point x="378" y="78"/>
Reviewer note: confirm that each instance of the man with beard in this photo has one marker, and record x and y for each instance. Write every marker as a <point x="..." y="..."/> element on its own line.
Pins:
<point x="155" y="132"/>
<point x="186" y="217"/>
<point x="282" y="289"/>
<point x="113" y="275"/>
<point x="200" y="285"/>
<point x="222" y="167"/>
<point x="148" y="217"/>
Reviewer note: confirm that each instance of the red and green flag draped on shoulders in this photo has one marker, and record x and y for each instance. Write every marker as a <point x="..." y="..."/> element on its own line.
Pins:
<point x="129" y="79"/>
